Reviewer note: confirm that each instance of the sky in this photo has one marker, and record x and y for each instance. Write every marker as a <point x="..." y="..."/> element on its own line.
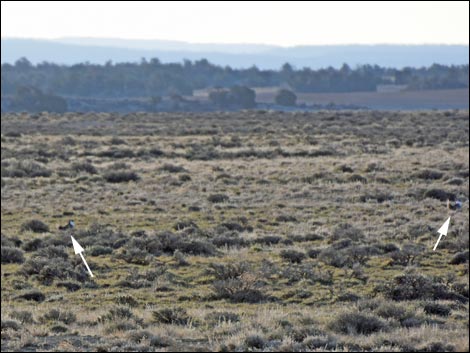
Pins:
<point x="277" y="23"/>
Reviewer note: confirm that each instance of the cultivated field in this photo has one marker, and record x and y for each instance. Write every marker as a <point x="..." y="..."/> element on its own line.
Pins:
<point x="256" y="230"/>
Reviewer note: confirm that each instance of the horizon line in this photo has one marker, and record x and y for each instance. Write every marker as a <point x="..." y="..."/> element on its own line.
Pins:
<point x="225" y="43"/>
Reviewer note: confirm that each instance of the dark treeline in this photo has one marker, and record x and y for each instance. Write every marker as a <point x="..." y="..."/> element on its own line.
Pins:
<point x="153" y="78"/>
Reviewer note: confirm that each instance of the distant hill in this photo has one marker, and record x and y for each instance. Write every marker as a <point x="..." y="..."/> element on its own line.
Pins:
<point x="76" y="50"/>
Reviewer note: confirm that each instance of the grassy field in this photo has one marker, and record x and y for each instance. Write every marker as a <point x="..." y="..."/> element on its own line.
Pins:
<point x="257" y="230"/>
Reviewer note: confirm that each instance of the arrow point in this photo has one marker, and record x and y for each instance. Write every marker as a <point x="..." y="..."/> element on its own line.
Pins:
<point x="76" y="247"/>
<point x="444" y="227"/>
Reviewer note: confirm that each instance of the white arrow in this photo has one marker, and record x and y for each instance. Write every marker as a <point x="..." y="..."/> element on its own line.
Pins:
<point x="78" y="250"/>
<point x="442" y="231"/>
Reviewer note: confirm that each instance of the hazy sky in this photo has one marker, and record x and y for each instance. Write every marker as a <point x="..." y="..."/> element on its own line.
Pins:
<point x="281" y="23"/>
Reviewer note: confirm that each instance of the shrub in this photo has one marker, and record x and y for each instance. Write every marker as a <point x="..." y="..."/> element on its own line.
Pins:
<point x="32" y="245"/>
<point x="439" y="194"/>
<point x="127" y="299"/>
<point x="98" y="250"/>
<point x="427" y="174"/>
<point x="357" y="323"/>
<point x="286" y="218"/>
<point x="67" y="317"/>
<point x="459" y="258"/>
<point x="411" y="286"/>
<point x="34" y="295"/>
<point x="70" y="286"/>
<point x="35" y="226"/>
<point x="268" y="240"/>
<point x="217" y="317"/>
<point x="84" y="167"/>
<point x="24" y="169"/>
<point x="293" y="256"/>
<point x="12" y="255"/>
<point x="10" y="325"/>
<point x="345" y="230"/>
<point x="170" y="168"/>
<point x="235" y="282"/>
<point x="118" y="313"/>
<point x="437" y="309"/>
<point x="121" y="176"/>
<point x="174" y="316"/>
<point x="23" y="316"/>
<point x="117" y="153"/>
<point x="255" y="341"/>
<point x="218" y="198"/>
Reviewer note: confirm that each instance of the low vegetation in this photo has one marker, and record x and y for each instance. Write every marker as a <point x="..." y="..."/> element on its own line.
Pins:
<point x="249" y="231"/>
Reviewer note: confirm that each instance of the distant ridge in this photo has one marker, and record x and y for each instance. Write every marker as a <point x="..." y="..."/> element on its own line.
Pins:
<point x="76" y="50"/>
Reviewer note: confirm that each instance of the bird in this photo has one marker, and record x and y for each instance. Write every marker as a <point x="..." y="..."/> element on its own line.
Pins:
<point x="457" y="205"/>
<point x="69" y="225"/>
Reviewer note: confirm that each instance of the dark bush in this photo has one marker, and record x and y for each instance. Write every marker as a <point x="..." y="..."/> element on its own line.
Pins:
<point x="218" y="198"/>
<point x="313" y="253"/>
<point x="292" y="256"/>
<point x="98" y="250"/>
<point x="255" y="341"/>
<point x="170" y="168"/>
<point x="32" y="245"/>
<point x="121" y="177"/>
<point x="34" y="295"/>
<point x="117" y="153"/>
<point x="35" y="226"/>
<point x="437" y="309"/>
<point x="411" y="286"/>
<point x="10" y="325"/>
<point x="127" y="299"/>
<point x="268" y="240"/>
<point x="439" y="194"/>
<point x="427" y="174"/>
<point x="70" y="286"/>
<point x="286" y="218"/>
<point x="12" y="255"/>
<point x="357" y="323"/>
<point x="459" y="258"/>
